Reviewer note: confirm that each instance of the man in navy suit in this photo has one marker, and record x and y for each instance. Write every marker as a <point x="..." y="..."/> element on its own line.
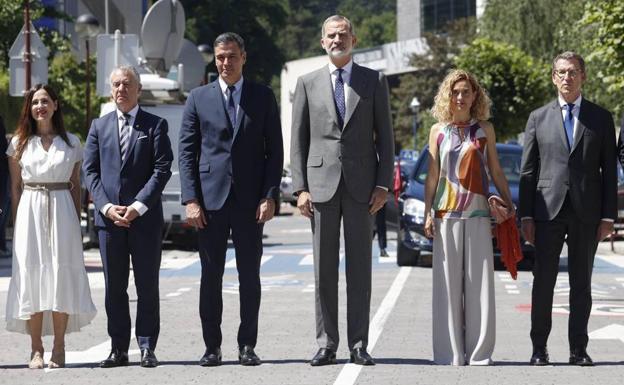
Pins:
<point x="231" y="158"/>
<point x="127" y="161"/>
<point x="568" y="185"/>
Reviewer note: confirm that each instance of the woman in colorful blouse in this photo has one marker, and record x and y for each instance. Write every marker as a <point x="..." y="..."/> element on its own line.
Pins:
<point x="463" y="158"/>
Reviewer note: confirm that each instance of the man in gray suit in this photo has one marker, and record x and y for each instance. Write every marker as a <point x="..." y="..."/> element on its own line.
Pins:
<point x="567" y="193"/>
<point x="341" y="161"/>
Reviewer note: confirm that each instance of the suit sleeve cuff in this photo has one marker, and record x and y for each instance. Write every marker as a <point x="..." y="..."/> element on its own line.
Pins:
<point x="139" y="207"/>
<point x="607" y="220"/>
<point x="104" y="209"/>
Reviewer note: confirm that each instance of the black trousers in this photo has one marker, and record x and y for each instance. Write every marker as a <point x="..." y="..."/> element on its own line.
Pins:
<point x="247" y="239"/>
<point x="581" y="239"/>
<point x="141" y="242"/>
<point x="380" y="227"/>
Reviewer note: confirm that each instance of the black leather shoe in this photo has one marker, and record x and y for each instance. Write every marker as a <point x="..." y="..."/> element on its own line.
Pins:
<point x="324" y="357"/>
<point x="539" y="357"/>
<point x="383" y="253"/>
<point x="360" y="356"/>
<point x="247" y="356"/>
<point x="580" y="357"/>
<point x="115" y="358"/>
<point x="148" y="358"/>
<point x="212" y="357"/>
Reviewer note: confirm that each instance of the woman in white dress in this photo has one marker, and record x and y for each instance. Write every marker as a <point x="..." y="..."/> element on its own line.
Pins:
<point x="49" y="290"/>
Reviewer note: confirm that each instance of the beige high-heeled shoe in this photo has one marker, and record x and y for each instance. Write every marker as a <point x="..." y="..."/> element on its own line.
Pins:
<point x="57" y="360"/>
<point x="36" y="360"/>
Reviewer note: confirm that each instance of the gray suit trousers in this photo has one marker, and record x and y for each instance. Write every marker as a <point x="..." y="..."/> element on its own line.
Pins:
<point x="358" y="228"/>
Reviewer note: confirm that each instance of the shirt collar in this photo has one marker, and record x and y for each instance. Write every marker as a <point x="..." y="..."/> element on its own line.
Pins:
<point x="347" y="67"/>
<point x="563" y="104"/>
<point x="133" y="112"/>
<point x="224" y="86"/>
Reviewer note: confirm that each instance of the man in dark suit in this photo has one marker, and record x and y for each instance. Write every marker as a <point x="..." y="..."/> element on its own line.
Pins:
<point x="342" y="153"/>
<point x="127" y="161"/>
<point x="231" y="159"/>
<point x="567" y="193"/>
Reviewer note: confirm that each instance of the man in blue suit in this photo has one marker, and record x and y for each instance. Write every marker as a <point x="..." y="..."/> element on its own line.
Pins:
<point x="231" y="159"/>
<point x="127" y="161"/>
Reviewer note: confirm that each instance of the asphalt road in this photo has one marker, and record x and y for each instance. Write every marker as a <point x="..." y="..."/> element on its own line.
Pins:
<point x="400" y="336"/>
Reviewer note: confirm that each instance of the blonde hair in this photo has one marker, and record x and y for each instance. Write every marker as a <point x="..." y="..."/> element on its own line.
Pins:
<point x="441" y="109"/>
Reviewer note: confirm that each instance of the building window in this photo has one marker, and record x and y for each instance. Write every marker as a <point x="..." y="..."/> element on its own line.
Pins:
<point x="435" y="14"/>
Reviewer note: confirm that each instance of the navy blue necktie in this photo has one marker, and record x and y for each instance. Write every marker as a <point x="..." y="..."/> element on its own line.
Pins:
<point x="568" y="123"/>
<point x="231" y="106"/>
<point x="339" y="97"/>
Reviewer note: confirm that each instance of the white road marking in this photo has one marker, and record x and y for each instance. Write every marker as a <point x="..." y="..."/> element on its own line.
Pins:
<point x="617" y="260"/>
<point x="91" y="355"/>
<point x="309" y="289"/>
<point x="511" y="287"/>
<point x="231" y="264"/>
<point x="308" y="260"/>
<point x="297" y="231"/>
<point x="513" y="291"/>
<point x="174" y="294"/>
<point x="611" y="332"/>
<point x="349" y="373"/>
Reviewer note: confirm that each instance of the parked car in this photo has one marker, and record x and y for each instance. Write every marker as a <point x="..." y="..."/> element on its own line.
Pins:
<point x="413" y="247"/>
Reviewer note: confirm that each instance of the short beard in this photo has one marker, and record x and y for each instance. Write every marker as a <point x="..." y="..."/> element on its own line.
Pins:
<point x="338" y="54"/>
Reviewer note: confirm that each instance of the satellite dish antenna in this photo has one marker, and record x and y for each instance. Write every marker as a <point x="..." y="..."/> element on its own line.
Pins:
<point x="162" y="34"/>
<point x="194" y="65"/>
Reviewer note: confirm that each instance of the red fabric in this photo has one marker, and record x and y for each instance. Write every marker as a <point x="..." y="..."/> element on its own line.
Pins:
<point x="397" y="182"/>
<point x="508" y="240"/>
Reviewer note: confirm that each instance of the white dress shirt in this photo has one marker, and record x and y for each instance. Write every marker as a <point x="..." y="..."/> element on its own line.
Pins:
<point x="238" y="91"/>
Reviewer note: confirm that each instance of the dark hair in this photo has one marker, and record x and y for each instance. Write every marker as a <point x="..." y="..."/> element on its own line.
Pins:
<point x="27" y="126"/>
<point x="569" y="55"/>
<point x="230" y="37"/>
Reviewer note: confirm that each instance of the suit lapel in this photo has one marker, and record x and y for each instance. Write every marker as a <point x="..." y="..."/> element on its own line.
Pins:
<point x="134" y="134"/>
<point x="114" y="139"/>
<point x="580" y="127"/>
<point x="555" y="120"/>
<point x="327" y="92"/>
<point x="243" y="107"/>
<point x="357" y="86"/>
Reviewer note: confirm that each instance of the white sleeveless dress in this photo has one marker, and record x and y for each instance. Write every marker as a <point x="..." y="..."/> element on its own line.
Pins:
<point x="48" y="272"/>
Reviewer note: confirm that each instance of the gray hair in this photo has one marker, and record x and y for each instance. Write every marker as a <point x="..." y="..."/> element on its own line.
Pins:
<point x="337" y="18"/>
<point x="129" y="70"/>
<point x="230" y="37"/>
<point x="569" y="55"/>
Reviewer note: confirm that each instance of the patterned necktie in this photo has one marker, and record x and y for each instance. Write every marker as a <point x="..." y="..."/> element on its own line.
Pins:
<point x="339" y="97"/>
<point x="231" y="106"/>
<point x="568" y="123"/>
<point x="124" y="136"/>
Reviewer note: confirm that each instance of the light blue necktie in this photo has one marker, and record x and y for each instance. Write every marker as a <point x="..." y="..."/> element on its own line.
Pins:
<point x="339" y="97"/>
<point x="568" y="123"/>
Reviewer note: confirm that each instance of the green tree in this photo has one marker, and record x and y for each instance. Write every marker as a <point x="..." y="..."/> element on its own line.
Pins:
<point x="516" y="83"/>
<point x="374" y="21"/>
<point x="541" y="28"/>
<point x="258" y="22"/>
<point x="604" y="36"/>
<point x="431" y="68"/>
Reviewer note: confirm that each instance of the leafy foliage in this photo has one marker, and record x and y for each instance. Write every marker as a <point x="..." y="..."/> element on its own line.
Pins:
<point x="604" y="23"/>
<point x="516" y="83"/>
<point x="431" y="68"/>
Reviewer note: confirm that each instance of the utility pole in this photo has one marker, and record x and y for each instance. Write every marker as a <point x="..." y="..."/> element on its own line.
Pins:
<point x="27" y="54"/>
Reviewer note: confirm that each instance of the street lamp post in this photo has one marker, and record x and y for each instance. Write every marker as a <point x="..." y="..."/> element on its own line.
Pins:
<point x="208" y="55"/>
<point x="414" y="107"/>
<point x="87" y="27"/>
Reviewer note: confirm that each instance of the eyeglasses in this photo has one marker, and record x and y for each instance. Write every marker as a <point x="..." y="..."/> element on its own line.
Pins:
<point x="571" y="73"/>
